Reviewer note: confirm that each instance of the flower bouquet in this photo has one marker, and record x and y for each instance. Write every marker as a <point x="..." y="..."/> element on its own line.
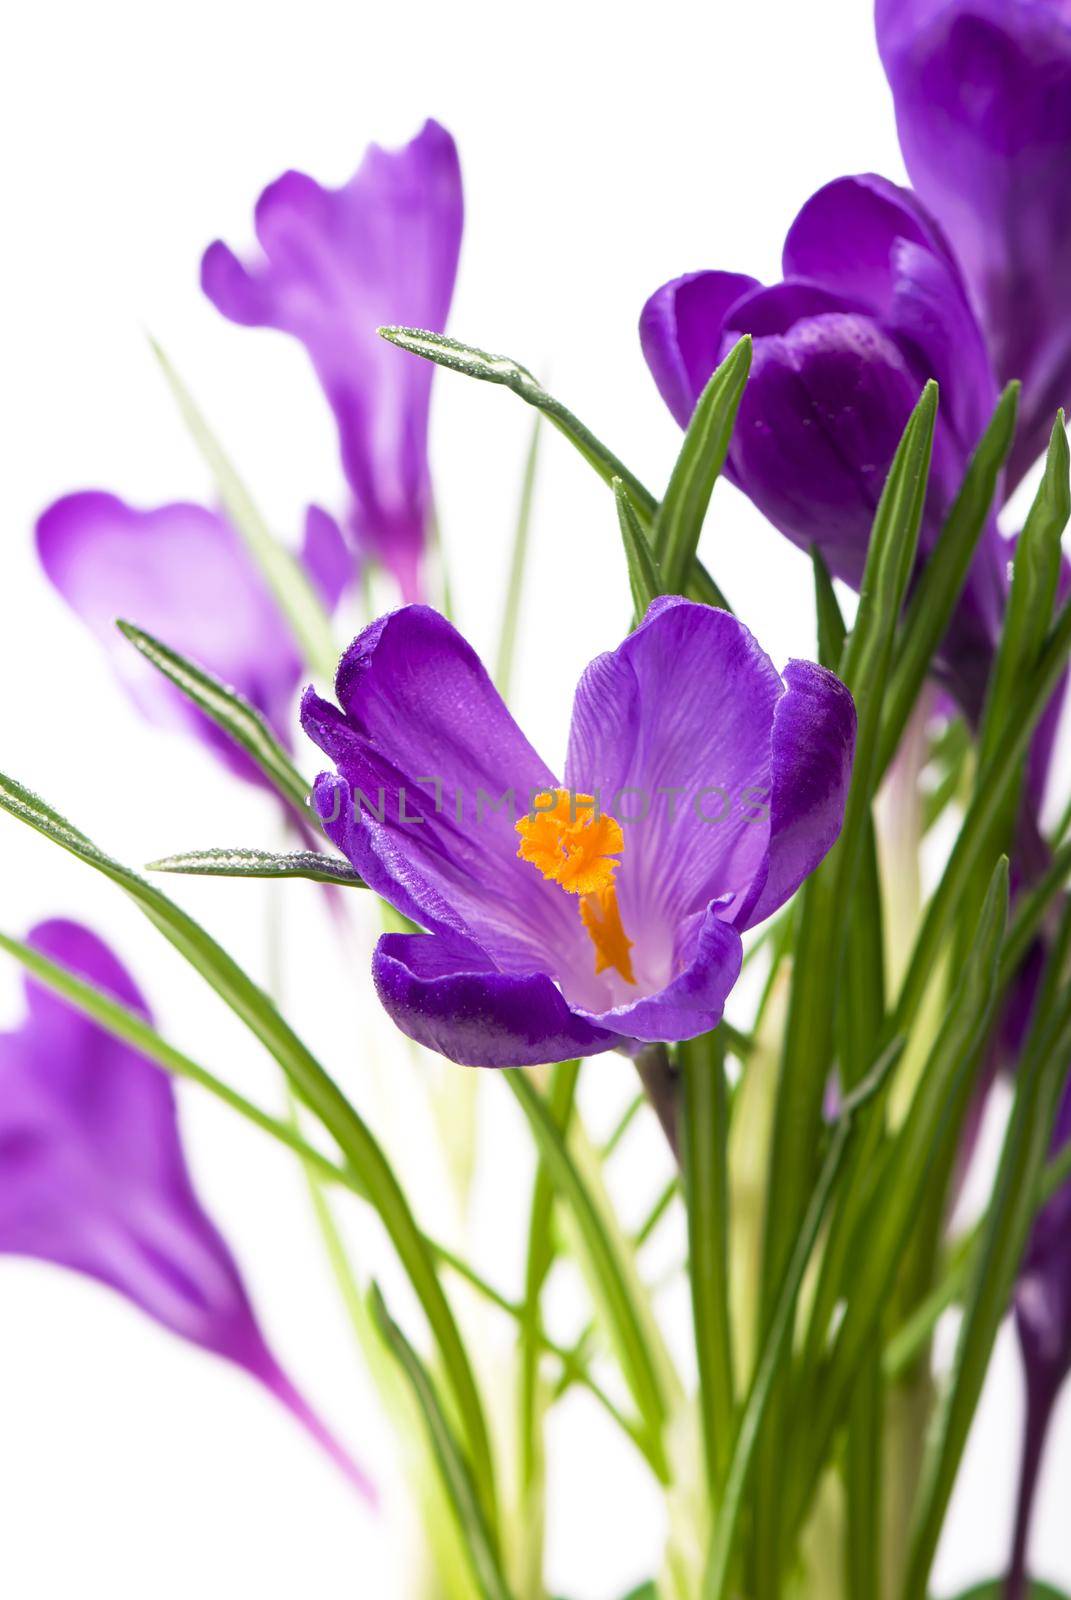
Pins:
<point x="813" y="916"/>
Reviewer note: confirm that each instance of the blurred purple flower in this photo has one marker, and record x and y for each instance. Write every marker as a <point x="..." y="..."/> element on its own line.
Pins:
<point x="182" y="573"/>
<point x="93" y="1178"/>
<point x="871" y="306"/>
<point x="730" y="780"/>
<point x="335" y="265"/>
<point x="983" y="106"/>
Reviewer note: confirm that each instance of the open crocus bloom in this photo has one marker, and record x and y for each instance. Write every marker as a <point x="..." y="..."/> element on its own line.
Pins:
<point x="566" y="918"/>
<point x="336" y="264"/>
<point x="93" y="1177"/>
<point x="182" y="573"/>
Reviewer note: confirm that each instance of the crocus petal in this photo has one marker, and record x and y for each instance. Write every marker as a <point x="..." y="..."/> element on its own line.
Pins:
<point x="673" y="729"/>
<point x="336" y="264"/>
<point x="812" y="749"/>
<point x="446" y="994"/>
<point x="681" y="333"/>
<point x="424" y="738"/>
<point x="182" y="573"/>
<point x="326" y="556"/>
<point x="93" y="1177"/>
<point x="707" y="965"/>
<point x="982" y="90"/>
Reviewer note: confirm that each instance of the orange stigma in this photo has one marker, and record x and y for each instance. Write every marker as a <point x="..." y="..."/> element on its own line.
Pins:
<point x="576" y="846"/>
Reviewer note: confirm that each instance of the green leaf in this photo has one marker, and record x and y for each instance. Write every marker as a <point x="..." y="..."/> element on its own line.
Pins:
<point x="284" y="574"/>
<point x="243" y="863"/>
<point x="453" y="1468"/>
<point x="312" y="1085"/>
<point x="941" y="580"/>
<point x="832" y="632"/>
<point x="1039" y="1083"/>
<point x="892" y="1212"/>
<point x="644" y="577"/>
<point x="778" y="1333"/>
<point x="1033" y="589"/>
<point x="679" y="520"/>
<point x="828" y="894"/>
<point x="476" y="363"/>
<point x="507" y="637"/>
<point x="623" y="1319"/>
<point x="704" y="1134"/>
<point x="229" y="711"/>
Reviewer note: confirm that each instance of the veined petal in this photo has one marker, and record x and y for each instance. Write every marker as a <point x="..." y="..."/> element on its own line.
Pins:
<point x="336" y="264"/>
<point x="182" y="573"/>
<point x="447" y="994"/>
<point x="93" y="1176"/>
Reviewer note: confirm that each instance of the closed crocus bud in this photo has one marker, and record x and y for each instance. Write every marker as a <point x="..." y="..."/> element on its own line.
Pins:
<point x="871" y="306"/>
<point x="182" y="573"/>
<point x="93" y="1176"/>
<point x="982" y="90"/>
<point x="336" y="264"/>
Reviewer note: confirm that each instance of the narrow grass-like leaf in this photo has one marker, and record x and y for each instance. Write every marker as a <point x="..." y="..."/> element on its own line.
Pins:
<point x="244" y="863"/>
<point x="832" y="632"/>
<point x="1039" y="1083"/>
<point x="704" y="1136"/>
<point x="453" y="1468"/>
<point x="778" y="1333"/>
<point x="679" y="520"/>
<point x="229" y="711"/>
<point x="313" y="1085"/>
<point x="623" y="1319"/>
<point x="828" y="893"/>
<point x="941" y="580"/>
<point x="284" y="574"/>
<point x="645" y="579"/>
<point x="892" y="1212"/>
<point x="511" y="610"/>
<point x="1033" y="589"/>
<point x="476" y="363"/>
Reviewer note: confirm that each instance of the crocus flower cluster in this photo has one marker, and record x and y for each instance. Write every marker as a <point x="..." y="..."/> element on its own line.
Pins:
<point x="964" y="279"/>
<point x="93" y="1176"/>
<point x="603" y="910"/>
<point x="336" y="264"/>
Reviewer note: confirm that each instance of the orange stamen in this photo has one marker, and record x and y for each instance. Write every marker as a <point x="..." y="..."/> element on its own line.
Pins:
<point x="576" y="848"/>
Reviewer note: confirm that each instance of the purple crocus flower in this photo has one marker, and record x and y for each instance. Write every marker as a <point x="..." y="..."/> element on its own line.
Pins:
<point x="182" y="573"/>
<point x="700" y="788"/>
<point x="870" y="307"/>
<point x="93" y="1178"/>
<point x="337" y="264"/>
<point x="982" y="90"/>
<point x="1043" y="1318"/>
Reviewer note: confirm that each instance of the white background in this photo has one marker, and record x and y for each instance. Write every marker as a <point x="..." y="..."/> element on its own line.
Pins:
<point x="605" y="148"/>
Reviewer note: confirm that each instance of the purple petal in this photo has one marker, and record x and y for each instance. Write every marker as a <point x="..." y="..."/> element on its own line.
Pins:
<point x="93" y="1177"/>
<point x="326" y="556"/>
<point x="423" y="734"/>
<point x="707" y="964"/>
<point x="813" y="746"/>
<point x="181" y="573"/>
<point x="447" y="994"/>
<point x="336" y="264"/>
<point x="681" y="333"/>
<point x="673" y="728"/>
<point x="982" y="90"/>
